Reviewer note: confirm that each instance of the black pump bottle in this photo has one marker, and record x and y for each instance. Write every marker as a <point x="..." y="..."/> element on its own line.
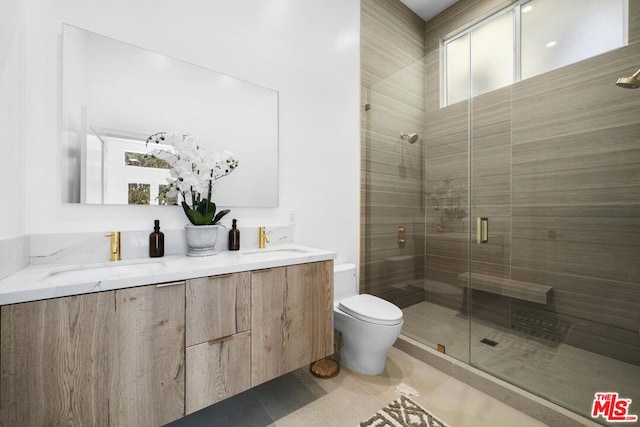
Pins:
<point x="156" y="241"/>
<point x="234" y="237"/>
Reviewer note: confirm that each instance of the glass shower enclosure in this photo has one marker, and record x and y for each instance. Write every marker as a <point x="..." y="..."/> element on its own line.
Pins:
<point x="509" y="231"/>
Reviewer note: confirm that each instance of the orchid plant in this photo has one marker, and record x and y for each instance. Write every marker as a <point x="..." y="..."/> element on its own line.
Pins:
<point x="194" y="173"/>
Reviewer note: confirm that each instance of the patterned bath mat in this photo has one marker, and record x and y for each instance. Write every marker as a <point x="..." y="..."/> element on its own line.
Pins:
<point x="403" y="412"/>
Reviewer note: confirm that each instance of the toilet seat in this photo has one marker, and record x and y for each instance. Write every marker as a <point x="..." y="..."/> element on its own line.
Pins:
<point x="371" y="309"/>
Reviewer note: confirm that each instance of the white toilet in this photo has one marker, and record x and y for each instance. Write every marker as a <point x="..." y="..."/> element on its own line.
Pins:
<point x="369" y="325"/>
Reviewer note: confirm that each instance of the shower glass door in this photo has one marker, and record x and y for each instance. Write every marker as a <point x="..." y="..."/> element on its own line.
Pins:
<point x="553" y="283"/>
<point x="392" y="187"/>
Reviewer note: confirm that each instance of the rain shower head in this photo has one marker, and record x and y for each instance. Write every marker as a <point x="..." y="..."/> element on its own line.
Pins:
<point x="629" y="82"/>
<point x="411" y="137"/>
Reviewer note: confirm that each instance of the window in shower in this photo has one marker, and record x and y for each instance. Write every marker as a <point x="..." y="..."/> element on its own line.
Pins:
<point x="489" y="47"/>
<point x="527" y="39"/>
<point x="558" y="33"/>
<point x="457" y="64"/>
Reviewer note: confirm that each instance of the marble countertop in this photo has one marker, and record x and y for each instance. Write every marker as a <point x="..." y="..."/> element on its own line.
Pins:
<point x="37" y="282"/>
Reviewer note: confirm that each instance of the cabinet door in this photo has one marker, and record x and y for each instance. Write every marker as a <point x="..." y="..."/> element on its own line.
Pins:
<point x="291" y="314"/>
<point x="217" y="307"/>
<point x="55" y="361"/>
<point x="315" y="284"/>
<point x="147" y="372"/>
<point x="107" y="358"/>
<point x="217" y="370"/>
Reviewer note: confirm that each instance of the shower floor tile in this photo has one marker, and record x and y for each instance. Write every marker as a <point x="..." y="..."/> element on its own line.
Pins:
<point x="564" y="374"/>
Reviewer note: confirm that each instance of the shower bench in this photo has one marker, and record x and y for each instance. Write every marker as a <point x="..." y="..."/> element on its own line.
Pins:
<point x="528" y="291"/>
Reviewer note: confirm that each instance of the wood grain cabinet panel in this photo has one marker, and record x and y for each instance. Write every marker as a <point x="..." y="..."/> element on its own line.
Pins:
<point x="217" y="307"/>
<point x="314" y="283"/>
<point x="147" y="372"/>
<point x="291" y="314"/>
<point x="107" y="358"/>
<point x="54" y="356"/>
<point x="217" y="370"/>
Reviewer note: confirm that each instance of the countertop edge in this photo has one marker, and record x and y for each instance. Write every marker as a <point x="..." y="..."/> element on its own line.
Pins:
<point x="27" y="285"/>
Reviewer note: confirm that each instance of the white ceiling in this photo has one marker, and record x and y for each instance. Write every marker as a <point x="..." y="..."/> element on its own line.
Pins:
<point x="427" y="9"/>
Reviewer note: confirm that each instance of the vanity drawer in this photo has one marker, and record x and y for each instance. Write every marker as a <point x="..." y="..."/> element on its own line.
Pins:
<point x="217" y="370"/>
<point x="217" y="307"/>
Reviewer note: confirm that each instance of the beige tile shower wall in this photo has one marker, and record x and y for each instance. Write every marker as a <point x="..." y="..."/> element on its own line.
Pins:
<point x="556" y="161"/>
<point x="392" y="72"/>
<point x="446" y="168"/>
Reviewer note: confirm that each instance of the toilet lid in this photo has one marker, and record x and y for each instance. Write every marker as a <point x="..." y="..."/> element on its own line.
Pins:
<point x="371" y="309"/>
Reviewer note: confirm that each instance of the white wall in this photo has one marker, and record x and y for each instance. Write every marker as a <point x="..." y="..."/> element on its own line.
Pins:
<point x="12" y="119"/>
<point x="307" y="50"/>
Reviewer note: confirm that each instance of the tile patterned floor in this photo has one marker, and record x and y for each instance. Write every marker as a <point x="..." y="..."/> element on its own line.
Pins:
<point x="299" y="399"/>
<point x="560" y="372"/>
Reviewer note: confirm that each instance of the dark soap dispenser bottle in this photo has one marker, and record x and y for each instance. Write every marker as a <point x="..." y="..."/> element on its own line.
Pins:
<point x="156" y="241"/>
<point x="234" y="237"/>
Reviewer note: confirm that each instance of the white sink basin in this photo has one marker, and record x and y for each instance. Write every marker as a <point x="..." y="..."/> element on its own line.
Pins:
<point x="104" y="271"/>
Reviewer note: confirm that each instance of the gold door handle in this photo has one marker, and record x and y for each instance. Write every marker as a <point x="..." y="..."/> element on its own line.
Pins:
<point x="482" y="230"/>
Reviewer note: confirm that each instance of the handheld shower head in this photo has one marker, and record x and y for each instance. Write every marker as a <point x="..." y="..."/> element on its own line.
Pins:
<point x="411" y="137"/>
<point x="629" y="82"/>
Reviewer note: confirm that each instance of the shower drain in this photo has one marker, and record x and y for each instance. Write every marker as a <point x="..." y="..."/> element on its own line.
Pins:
<point x="487" y="341"/>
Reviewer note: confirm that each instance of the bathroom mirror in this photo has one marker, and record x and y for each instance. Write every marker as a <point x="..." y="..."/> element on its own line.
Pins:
<point x="115" y="94"/>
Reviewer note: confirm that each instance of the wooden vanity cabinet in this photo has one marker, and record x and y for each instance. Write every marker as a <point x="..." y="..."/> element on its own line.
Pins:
<point x="291" y="315"/>
<point x="218" y="338"/>
<point x="151" y="354"/>
<point x="106" y="358"/>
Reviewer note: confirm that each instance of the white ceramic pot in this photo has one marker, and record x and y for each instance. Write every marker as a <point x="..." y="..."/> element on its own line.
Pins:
<point x="201" y="239"/>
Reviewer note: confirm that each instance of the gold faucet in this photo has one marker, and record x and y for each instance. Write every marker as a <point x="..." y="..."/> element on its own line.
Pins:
<point x="263" y="239"/>
<point x="115" y="245"/>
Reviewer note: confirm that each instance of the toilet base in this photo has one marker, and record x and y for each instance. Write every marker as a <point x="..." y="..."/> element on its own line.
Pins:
<point x="364" y="345"/>
<point x="369" y="365"/>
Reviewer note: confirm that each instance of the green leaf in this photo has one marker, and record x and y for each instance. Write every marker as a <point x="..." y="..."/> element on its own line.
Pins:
<point x="186" y="208"/>
<point x="220" y="215"/>
<point x="208" y="219"/>
<point x="196" y="217"/>
<point x="205" y="206"/>
<point x="204" y="213"/>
